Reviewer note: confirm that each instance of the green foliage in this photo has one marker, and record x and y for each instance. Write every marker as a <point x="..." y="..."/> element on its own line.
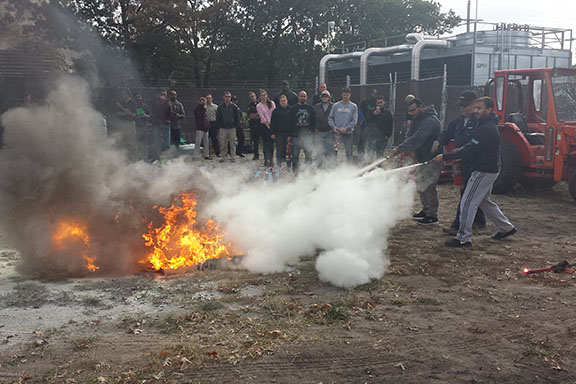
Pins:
<point x="212" y="42"/>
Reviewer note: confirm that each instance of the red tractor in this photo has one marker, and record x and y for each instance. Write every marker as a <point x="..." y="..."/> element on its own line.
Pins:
<point x="537" y="111"/>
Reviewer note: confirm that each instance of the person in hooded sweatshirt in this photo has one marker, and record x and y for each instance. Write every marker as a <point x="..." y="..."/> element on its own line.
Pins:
<point x="482" y="153"/>
<point x="280" y="127"/>
<point x="420" y="137"/>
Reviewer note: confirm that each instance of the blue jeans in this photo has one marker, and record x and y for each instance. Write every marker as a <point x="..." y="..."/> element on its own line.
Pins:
<point x="160" y="140"/>
<point x="305" y="142"/>
<point x="325" y="154"/>
<point x="348" y="140"/>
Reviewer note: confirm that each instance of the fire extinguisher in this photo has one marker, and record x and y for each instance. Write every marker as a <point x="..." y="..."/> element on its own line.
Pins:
<point x="457" y="173"/>
<point x="289" y="152"/>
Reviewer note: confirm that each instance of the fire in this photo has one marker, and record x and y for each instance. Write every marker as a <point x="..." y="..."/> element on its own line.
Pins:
<point x="525" y="270"/>
<point x="71" y="233"/>
<point x="181" y="241"/>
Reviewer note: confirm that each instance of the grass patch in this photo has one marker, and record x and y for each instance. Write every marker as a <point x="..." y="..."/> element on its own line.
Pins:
<point x="83" y="343"/>
<point x="209" y="306"/>
<point x="428" y="301"/>
<point x="336" y="313"/>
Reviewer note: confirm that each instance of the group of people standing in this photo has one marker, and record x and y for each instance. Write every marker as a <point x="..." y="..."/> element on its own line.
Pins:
<point x="476" y="145"/>
<point x="289" y="124"/>
<point x="157" y="125"/>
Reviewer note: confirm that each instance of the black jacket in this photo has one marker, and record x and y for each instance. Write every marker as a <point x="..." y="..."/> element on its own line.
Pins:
<point x="161" y="111"/>
<point x="280" y="121"/>
<point x="424" y="130"/>
<point x="461" y="134"/>
<point x="458" y="131"/>
<point x="322" y="117"/>
<point x="302" y="118"/>
<point x="228" y="116"/>
<point x="379" y="126"/>
<point x="482" y="153"/>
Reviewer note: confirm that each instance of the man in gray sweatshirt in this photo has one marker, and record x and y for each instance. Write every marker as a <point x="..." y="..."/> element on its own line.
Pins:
<point x="343" y="119"/>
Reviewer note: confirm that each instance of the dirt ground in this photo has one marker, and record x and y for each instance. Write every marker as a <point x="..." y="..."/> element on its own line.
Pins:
<point x="438" y="316"/>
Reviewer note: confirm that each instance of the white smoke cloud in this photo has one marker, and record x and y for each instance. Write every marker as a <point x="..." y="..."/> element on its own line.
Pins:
<point x="346" y="217"/>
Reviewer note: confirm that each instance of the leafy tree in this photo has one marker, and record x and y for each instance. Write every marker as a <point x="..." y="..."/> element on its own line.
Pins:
<point x="214" y="41"/>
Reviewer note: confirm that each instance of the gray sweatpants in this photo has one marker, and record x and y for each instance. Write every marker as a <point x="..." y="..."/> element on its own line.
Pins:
<point x="477" y="195"/>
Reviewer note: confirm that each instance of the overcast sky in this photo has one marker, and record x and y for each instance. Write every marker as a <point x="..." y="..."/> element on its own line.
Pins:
<point x="541" y="13"/>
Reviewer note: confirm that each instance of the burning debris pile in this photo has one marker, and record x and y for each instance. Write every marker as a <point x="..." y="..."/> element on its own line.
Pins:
<point x="180" y="241"/>
<point x="70" y="201"/>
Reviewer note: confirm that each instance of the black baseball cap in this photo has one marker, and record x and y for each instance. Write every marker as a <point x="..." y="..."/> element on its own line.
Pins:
<point x="467" y="98"/>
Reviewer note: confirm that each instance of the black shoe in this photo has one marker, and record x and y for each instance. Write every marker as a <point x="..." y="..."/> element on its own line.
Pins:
<point x="428" y="220"/>
<point x="500" y="235"/>
<point x="218" y="155"/>
<point x="450" y="231"/>
<point x="418" y="216"/>
<point x="455" y="243"/>
<point x="256" y="157"/>
<point x="240" y="155"/>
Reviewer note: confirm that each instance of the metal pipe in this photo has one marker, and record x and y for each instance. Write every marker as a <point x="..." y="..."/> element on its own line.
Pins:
<point x="333" y="57"/>
<point x="417" y="52"/>
<point x="381" y="51"/>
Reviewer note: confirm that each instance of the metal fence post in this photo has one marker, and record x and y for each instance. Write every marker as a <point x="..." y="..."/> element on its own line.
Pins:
<point x="444" y="96"/>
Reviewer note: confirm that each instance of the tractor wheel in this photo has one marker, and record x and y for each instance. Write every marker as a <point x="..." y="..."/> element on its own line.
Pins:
<point x="510" y="170"/>
<point x="572" y="186"/>
<point x="537" y="183"/>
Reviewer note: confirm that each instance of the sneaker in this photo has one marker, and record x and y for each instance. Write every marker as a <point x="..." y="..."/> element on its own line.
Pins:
<point x="240" y="155"/>
<point x="428" y="220"/>
<point x="208" y="158"/>
<point x="221" y="160"/>
<point x="455" y="243"/>
<point x="418" y="216"/>
<point x="500" y="235"/>
<point x="450" y="231"/>
<point x="256" y="157"/>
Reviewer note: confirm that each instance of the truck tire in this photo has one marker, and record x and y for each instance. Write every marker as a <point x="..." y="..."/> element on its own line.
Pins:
<point x="537" y="182"/>
<point x="510" y="170"/>
<point x="572" y="186"/>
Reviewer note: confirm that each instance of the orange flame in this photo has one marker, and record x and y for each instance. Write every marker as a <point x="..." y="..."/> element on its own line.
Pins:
<point x="69" y="233"/>
<point x="181" y="241"/>
<point x="525" y="270"/>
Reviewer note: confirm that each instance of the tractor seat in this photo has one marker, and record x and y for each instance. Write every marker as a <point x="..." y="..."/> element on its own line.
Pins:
<point x="520" y="121"/>
<point x="536" y="138"/>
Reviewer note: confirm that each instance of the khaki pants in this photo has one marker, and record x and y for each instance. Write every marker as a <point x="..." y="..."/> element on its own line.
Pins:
<point x="228" y="137"/>
<point x="203" y="141"/>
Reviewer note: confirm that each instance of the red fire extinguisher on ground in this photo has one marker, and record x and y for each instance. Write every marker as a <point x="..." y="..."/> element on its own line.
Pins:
<point x="457" y="173"/>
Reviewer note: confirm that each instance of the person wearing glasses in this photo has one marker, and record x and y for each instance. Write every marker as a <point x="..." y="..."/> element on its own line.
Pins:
<point x="424" y="131"/>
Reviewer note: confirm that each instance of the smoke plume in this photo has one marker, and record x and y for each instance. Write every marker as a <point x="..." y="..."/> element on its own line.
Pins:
<point x="59" y="167"/>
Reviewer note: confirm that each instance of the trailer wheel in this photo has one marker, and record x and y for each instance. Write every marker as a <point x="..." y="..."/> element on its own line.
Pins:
<point x="537" y="183"/>
<point x="510" y="170"/>
<point x="572" y="186"/>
